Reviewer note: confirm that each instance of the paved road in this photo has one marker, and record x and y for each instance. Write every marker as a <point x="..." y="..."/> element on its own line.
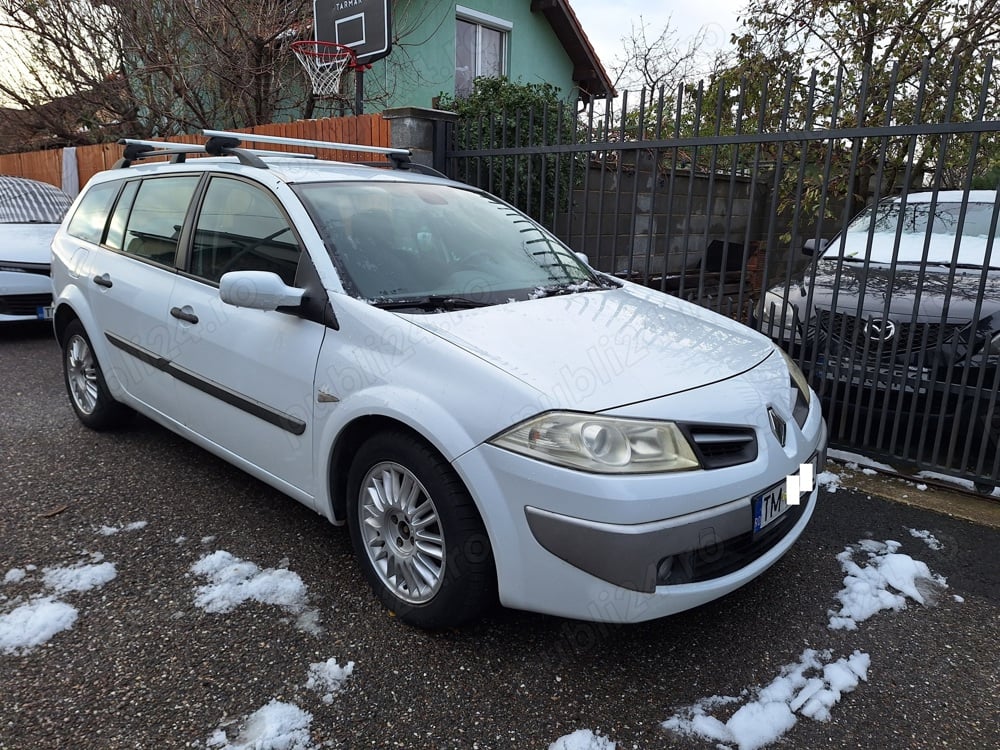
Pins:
<point x="143" y="667"/>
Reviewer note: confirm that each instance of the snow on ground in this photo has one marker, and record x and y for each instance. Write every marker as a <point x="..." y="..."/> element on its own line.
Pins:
<point x="814" y="684"/>
<point x="828" y="481"/>
<point x="857" y="459"/>
<point x="276" y="726"/>
<point x="887" y="580"/>
<point x="810" y="687"/>
<point x="929" y="539"/>
<point x="328" y="677"/>
<point x="42" y="616"/>
<point x="583" y="739"/>
<point x="964" y="483"/>
<point x="112" y="530"/>
<point x="281" y="725"/>
<point x="233" y="581"/>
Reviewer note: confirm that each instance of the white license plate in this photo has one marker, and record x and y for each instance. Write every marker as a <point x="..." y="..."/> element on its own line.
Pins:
<point x="44" y="312"/>
<point x="769" y="506"/>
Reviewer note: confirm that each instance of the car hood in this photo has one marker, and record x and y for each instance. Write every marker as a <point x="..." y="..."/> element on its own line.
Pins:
<point x="599" y="350"/>
<point x="844" y="288"/>
<point x="27" y="243"/>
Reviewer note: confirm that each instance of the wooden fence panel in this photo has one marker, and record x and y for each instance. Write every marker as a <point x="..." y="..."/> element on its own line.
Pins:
<point x="364" y="130"/>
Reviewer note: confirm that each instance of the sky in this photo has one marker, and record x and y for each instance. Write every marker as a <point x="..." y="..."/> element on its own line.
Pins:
<point x="37" y="604"/>
<point x="605" y="23"/>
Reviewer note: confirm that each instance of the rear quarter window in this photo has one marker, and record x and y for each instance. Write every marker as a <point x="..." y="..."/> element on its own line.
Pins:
<point x="91" y="215"/>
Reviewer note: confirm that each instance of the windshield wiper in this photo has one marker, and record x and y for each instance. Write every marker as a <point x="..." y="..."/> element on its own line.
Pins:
<point x="574" y="287"/>
<point x="432" y="302"/>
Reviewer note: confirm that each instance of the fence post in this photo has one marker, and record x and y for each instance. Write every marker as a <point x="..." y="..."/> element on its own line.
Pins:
<point x="421" y="130"/>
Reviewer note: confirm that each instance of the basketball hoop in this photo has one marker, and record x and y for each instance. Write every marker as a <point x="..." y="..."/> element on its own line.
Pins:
<point x="325" y="62"/>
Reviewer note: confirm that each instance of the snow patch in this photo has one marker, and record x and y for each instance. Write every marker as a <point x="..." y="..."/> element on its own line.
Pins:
<point x="887" y="580"/>
<point x="34" y="623"/>
<point x="233" y="581"/>
<point x="929" y="539"/>
<point x="809" y="687"/>
<point x="328" y="677"/>
<point x="276" y="726"/>
<point x="583" y="739"/>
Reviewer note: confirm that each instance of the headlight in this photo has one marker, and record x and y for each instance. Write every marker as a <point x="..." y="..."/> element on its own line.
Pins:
<point x="779" y="317"/>
<point x="798" y="379"/>
<point x="608" y="445"/>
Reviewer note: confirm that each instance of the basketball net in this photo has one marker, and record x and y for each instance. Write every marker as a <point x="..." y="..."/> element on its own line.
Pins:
<point x="325" y="62"/>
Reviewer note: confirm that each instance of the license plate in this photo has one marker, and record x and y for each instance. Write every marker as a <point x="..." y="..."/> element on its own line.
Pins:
<point x="44" y="312"/>
<point x="769" y="506"/>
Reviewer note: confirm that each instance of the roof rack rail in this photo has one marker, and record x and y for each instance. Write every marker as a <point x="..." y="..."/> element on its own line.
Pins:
<point x="136" y="150"/>
<point x="400" y="157"/>
<point x="227" y="143"/>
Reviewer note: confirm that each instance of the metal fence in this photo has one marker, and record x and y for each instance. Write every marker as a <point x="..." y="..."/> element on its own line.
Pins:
<point x="859" y="237"/>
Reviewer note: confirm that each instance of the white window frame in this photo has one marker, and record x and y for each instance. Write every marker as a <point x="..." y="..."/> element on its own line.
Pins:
<point x="485" y="20"/>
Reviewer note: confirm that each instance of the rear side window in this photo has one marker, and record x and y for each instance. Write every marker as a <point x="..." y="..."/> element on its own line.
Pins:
<point x="157" y="217"/>
<point x="91" y="215"/>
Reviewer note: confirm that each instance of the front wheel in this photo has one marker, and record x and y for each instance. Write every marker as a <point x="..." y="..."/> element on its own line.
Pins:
<point x="85" y="384"/>
<point x="417" y="533"/>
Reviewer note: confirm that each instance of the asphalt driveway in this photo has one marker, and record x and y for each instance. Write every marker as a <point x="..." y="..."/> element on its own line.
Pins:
<point x="144" y="666"/>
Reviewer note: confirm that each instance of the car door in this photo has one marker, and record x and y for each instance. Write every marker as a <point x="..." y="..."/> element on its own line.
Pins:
<point x="131" y="279"/>
<point x="245" y="376"/>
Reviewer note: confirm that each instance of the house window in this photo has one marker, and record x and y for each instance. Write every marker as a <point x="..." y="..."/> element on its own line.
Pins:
<point x="480" y="47"/>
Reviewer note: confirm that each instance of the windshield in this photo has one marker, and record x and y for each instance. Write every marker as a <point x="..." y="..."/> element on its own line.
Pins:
<point x="401" y="241"/>
<point x="921" y="228"/>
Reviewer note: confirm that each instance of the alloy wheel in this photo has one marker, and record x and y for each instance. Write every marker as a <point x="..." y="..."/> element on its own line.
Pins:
<point x="402" y="533"/>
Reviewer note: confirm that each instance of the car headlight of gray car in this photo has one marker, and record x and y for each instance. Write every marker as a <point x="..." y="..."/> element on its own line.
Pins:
<point x="606" y="445"/>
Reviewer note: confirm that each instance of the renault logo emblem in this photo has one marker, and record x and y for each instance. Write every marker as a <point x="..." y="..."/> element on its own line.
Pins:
<point x="777" y="425"/>
<point x="880" y="330"/>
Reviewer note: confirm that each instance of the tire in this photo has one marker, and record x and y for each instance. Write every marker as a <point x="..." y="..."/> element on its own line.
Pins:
<point x="984" y="488"/>
<point x="417" y="534"/>
<point x="85" y="383"/>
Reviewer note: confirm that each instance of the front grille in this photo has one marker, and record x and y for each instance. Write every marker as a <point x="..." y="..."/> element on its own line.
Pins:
<point x="718" y="447"/>
<point x="24" y="304"/>
<point x="847" y="335"/>
<point x="727" y="556"/>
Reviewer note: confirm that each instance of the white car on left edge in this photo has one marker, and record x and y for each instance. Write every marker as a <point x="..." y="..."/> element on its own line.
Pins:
<point x="490" y="417"/>
<point x="30" y="213"/>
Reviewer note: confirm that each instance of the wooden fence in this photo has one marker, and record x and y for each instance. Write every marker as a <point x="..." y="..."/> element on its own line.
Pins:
<point x="47" y="166"/>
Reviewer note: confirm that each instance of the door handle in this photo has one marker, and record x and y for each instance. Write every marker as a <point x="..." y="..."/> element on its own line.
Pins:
<point x="188" y="317"/>
<point x="103" y="280"/>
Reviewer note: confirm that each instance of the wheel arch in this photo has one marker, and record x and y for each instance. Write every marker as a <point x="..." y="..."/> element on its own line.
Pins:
<point x="346" y="447"/>
<point x="64" y="315"/>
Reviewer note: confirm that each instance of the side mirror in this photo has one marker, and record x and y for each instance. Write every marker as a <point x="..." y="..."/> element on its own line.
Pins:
<point x="813" y="246"/>
<point x="583" y="257"/>
<point x="259" y="290"/>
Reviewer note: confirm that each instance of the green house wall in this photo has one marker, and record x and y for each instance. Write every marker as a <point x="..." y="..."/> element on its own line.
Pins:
<point x="422" y="63"/>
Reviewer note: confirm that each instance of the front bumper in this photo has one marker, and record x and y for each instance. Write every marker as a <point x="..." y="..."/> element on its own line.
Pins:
<point x="24" y="296"/>
<point x="691" y="548"/>
<point x="590" y="546"/>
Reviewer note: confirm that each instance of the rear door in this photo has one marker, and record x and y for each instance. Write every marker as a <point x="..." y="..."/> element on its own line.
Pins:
<point x="130" y="279"/>
<point x="245" y="377"/>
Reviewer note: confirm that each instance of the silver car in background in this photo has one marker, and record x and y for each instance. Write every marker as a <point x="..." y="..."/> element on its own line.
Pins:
<point x="30" y="213"/>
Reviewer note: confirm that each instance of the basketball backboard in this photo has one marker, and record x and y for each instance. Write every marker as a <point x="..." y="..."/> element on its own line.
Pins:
<point x="363" y="25"/>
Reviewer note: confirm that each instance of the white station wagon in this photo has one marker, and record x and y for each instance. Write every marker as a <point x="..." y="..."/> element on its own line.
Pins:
<point x="491" y="417"/>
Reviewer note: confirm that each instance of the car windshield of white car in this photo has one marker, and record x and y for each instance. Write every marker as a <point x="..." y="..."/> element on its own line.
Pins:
<point x="915" y="235"/>
<point x="436" y="247"/>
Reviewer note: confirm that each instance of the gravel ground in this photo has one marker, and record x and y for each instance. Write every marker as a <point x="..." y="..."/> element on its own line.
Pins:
<point x="143" y="667"/>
